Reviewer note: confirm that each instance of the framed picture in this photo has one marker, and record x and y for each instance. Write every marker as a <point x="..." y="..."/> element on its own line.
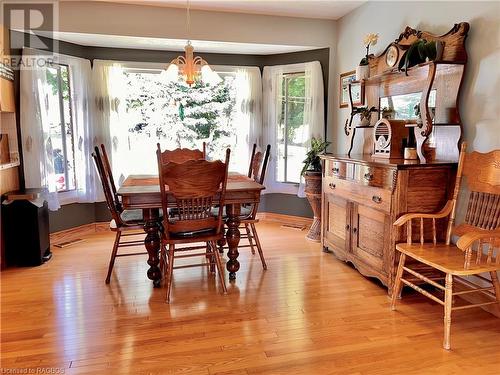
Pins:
<point x="358" y="95"/>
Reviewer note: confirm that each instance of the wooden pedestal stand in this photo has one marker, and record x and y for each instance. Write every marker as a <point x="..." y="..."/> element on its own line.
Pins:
<point x="313" y="194"/>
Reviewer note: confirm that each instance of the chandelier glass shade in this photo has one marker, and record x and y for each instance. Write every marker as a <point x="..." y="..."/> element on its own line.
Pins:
<point x="191" y="68"/>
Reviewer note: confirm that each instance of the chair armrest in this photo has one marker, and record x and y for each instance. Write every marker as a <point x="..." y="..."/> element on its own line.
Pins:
<point x="469" y="238"/>
<point x="438" y="215"/>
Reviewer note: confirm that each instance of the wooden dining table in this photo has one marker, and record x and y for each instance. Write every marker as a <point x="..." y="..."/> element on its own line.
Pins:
<point x="143" y="192"/>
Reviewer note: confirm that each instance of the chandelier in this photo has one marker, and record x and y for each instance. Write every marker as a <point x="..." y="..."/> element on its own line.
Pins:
<point x="189" y="67"/>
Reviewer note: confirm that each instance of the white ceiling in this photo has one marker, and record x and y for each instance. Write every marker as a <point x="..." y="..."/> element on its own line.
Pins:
<point x="326" y="9"/>
<point x="163" y="44"/>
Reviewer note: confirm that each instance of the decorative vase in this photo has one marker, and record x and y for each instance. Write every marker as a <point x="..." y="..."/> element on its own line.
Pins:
<point x="362" y="72"/>
<point x="439" y="50"/>
<point x="365" y="121"/>
<point x="313" y="194"/>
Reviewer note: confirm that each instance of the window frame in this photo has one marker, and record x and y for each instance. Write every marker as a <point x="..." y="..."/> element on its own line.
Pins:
<point x="280" y="97"/>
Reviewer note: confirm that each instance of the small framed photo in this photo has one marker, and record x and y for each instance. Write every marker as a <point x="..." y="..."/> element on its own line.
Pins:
<point x="358" y="94"/>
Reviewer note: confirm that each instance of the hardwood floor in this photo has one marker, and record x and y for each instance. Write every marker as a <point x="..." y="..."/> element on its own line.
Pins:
<point x="307" y="314"/>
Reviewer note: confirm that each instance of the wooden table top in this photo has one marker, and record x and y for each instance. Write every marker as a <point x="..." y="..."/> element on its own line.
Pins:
<point x="149" y="184"/>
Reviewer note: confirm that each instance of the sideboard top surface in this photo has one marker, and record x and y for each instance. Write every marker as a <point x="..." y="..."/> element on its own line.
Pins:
<point x="388" y="163"/>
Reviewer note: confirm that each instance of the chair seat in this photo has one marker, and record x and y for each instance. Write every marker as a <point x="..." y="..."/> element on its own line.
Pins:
<point x="192" y="237"/>
<point x="447" y="258"/>
<point x="135" y="217"/>
<point x="246" y="211"/>
<point x="132" y="216"/>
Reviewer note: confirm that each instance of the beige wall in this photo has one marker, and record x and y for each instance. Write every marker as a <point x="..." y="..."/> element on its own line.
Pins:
<point x="480" y="103"/>
<point x="161" y="22"/>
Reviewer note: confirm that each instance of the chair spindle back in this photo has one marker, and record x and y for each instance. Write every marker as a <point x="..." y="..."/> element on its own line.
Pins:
<point x="106" y="187"/>
<point x="482" y="177"/>
<point x="181" y="155"/>
<point x="194" y="186"/>
<point x="109" y="173"/>
<point x="258" y="164"/>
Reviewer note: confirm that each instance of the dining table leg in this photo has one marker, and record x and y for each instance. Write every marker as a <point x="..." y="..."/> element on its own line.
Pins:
<point x="152" y="243"/>
<point x="233" y="212"/>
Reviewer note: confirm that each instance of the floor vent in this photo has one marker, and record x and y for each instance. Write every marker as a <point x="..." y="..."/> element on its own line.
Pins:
<point x="69" y="243"/>
<point x="294" y="226"/>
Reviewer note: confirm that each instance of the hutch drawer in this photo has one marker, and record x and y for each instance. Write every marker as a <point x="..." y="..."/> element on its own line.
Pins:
<point x="374" y="176"/>
<point x="337" y="169"/>
<point x="373" y="197"/>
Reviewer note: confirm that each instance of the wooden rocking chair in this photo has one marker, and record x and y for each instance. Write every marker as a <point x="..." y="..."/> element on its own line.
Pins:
<point x="478" y="248"/>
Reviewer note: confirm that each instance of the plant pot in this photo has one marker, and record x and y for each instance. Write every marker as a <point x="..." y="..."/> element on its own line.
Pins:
<point x="362" y="72"/>
<point x="365" y="121"/>
<point x="313" y="194"/>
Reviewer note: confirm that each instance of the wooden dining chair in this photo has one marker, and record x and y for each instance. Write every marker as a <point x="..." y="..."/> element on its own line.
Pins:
<point x="180" y="155"/>
<point x="257" y="172"/>
<point x="248" y="218"/>
<point x="196" y="187"/>
<point x="124" y="223"/>
<point x="107" y="168"/>
<point x="477" y="250"/>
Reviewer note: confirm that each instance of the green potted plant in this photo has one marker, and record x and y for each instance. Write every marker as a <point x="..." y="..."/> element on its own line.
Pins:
<point x="312" y="177"/>
<point x="365" y="114"/>
<point x="419" y="52"/>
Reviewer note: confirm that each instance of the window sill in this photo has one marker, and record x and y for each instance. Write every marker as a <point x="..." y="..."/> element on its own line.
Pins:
<point x="281" y="188"/>
<point x="67" y="197"/>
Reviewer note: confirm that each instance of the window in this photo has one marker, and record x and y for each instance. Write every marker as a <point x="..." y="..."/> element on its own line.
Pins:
<point x="293" y="113"/>
<point x="291" y="145"/>
<point x="58" y="105"/>
<point x="175" y="115"/>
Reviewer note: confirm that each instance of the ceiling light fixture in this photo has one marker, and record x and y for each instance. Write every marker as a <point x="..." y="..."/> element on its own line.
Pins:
<point x="189" y="67"/>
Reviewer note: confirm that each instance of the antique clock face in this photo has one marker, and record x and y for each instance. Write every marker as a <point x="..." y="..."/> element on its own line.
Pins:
<point x="391" y="56"/>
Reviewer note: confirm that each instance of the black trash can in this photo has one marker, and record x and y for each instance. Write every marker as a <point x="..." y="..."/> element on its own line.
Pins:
<point x="25" y="220"/>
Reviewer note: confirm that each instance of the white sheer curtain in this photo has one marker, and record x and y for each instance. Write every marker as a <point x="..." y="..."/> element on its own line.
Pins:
<point x="38" y="156"/>
<point x="248" y="114"/>
<point x="36" y="135"/>
<point x="107" y="104"/>
<point x="314" y="118"/>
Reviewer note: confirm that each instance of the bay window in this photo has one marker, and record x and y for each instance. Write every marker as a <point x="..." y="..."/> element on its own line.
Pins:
<point x="140" y="107"/>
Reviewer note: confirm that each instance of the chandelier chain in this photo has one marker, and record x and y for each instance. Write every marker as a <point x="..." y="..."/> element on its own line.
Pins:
<point x="188" y="20"/>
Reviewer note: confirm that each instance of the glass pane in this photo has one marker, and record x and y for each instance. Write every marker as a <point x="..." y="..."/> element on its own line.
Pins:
<point x="292" y="152"/>
<point x="295" y="140"/>
<point x="296" y="155"/>
<point x="68" y="125"/>
<point x="54" y="117"/>
<point x="402" y="107"/>
<point x="280" y="141"/>
<point x="60" y="126"/>
<point x="175" y="116"/>
<point x="297" y="86"/>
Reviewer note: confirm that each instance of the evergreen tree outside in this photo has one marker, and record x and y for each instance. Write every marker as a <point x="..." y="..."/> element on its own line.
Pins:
<point x="176" y="115"/>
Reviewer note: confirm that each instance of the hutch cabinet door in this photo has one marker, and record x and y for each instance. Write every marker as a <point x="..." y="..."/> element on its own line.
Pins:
<point x="371" y="237"/>
<point x="337" y="224"/>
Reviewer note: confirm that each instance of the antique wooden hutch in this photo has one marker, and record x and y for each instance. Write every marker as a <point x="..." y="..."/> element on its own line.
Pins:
<point x="364" y="194"/>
